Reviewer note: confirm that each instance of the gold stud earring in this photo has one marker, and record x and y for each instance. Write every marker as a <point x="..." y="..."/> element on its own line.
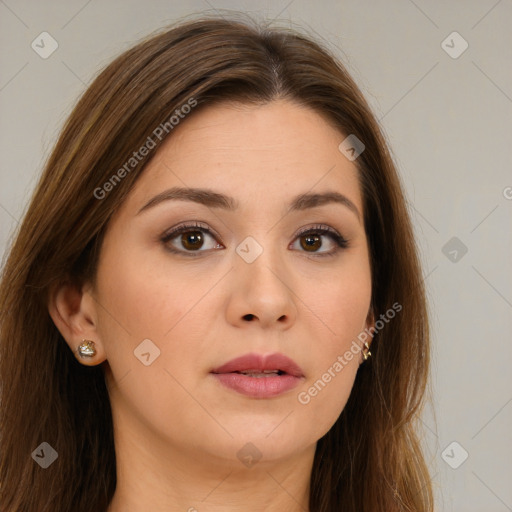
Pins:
<point x="366" y="351"/>
<point x="86" y="349"/>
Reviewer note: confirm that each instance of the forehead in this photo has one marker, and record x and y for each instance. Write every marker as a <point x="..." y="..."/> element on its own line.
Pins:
<point x="252" y="152"/>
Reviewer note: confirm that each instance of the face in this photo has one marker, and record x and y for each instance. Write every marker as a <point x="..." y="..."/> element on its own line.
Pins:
<point x="246" y="267"/>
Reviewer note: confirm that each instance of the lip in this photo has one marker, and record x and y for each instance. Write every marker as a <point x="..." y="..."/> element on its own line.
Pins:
<point x="259" y="387"/>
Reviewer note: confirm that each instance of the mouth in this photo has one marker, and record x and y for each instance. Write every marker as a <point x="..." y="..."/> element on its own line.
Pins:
<point x="258" y="376"/>
<point x="260" y="366"/>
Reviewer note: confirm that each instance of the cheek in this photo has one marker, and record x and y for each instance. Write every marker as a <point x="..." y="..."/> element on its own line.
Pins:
<point x="142" y="300"/>
<point x="323" y="399"/>
<point x="342" y="309"/>
<point x="138" y="304"/>
<point x="342" y="305"/>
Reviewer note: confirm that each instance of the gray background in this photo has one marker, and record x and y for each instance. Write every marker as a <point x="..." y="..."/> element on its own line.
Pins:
<point x="448" y="122"/>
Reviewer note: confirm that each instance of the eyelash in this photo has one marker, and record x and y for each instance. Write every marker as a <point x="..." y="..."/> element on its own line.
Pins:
<point x="319" y="229"/>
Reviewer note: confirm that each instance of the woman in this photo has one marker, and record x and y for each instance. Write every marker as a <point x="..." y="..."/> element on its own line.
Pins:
<point x="187" y="310"/>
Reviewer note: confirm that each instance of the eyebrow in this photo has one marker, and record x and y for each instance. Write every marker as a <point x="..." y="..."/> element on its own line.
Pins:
<point x="213" y="199"/>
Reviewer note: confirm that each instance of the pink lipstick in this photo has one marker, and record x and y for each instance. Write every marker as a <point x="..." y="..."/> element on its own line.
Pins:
<point x="259" y="376"/>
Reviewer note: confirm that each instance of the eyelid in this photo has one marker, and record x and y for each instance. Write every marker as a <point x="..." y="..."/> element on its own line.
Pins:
<point x="317" y="227"/>
<point x="201" y="226"/>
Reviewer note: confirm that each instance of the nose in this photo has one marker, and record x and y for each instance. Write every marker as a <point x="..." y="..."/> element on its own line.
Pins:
<point x="262" y="292"/>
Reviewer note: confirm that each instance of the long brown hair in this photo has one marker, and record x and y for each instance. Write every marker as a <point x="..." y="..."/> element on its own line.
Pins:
<point x="371" y="459"/>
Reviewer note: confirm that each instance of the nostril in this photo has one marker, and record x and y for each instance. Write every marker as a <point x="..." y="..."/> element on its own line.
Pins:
<point x="248" y="317"/>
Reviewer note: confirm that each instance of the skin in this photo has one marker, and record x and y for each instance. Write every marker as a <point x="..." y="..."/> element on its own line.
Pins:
<point x="177" y="429"/>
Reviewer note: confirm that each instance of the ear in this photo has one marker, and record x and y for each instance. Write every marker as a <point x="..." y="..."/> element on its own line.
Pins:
<point x="73" y="311"/>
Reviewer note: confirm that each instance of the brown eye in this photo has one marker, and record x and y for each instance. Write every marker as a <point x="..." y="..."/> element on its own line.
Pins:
<point x="192" y="240"/>
<point x="311" y="242"/>
<point x="320" y="237"/>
